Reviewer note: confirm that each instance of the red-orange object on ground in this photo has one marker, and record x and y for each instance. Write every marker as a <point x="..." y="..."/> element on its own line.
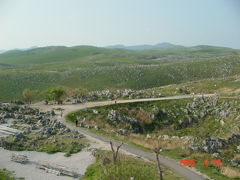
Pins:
<point x="187" y="162"/>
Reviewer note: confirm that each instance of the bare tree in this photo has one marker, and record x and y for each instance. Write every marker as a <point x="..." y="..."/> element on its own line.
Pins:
<point x="115" y="153"/>
<point x="157" y="151"/>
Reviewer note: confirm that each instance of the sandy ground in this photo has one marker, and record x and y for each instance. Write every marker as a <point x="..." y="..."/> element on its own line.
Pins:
<point x="77" y="162"/>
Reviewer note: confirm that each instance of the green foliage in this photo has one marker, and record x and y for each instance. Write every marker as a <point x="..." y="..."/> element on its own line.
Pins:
<point x="73" y="148"/>
<point x="55" y="93"/>
<point x="6" y="175"/>
<point x="28" y="95"/>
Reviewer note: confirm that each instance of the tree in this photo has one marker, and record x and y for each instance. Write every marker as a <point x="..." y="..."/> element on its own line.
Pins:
<point x="55" y="93"/>
<point x="157" y="151"/>
<point x="27" y="96"/>
<point x="115" y="153"/>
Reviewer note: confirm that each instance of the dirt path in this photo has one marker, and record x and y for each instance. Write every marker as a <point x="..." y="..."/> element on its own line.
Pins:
<point x="73" y="107"/>
<point x="188" y="173"/>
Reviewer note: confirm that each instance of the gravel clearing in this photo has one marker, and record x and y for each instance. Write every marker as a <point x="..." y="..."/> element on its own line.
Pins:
<point x="77" y="162"/>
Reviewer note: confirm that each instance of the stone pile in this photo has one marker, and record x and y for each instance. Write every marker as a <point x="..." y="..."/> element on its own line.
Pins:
<point x="116" y="94"/>
<point x="41" y="124"/>
<point x="213" y="144"/>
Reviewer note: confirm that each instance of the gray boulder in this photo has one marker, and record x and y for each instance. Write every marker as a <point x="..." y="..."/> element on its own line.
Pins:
<point x="212" y="144"/>
<point x="18" y="137"/>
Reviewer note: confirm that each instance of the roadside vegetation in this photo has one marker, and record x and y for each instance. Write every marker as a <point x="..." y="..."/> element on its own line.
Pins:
<point x="125" y="168"/>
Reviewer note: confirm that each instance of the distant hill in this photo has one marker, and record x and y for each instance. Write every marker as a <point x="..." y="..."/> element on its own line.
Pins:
<point x="143" y="47"/>
<point x="2" y="51"/>
<point x="96" y="68"/>
<point x="18" y="49"/>
<point x="102" y="56"/>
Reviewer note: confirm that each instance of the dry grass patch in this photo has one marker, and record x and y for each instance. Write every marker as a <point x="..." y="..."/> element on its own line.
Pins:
<point x="151" y="142"/>
<point x="230" y="172"/>
<point x="224" y="90"/>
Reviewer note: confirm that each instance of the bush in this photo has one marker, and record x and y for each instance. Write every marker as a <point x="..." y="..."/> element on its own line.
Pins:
<point x="6" y="175"/>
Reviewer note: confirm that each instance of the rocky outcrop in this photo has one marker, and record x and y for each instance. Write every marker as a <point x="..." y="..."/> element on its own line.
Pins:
<point x="213" y="144"/>
<point x="116" y="118"/>
<point x="116" y="94"/>
<point x="32" y="122"/>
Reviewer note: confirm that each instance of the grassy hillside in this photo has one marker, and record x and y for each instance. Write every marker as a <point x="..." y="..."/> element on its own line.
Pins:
<point x="177" y="125"/>
<point x="228" y="86"/>
<point x="98" y="68"/>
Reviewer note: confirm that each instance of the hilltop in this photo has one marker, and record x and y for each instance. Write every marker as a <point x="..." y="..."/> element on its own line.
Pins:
<point x="143" y="47"/>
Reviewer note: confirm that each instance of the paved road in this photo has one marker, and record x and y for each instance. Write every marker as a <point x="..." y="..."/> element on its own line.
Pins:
<point x="187" y="173"/>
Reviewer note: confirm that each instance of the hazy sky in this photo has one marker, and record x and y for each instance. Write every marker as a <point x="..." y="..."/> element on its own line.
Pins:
<point x="25" y="23"/>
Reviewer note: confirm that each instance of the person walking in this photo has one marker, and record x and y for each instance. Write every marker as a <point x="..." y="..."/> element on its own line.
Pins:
<point x="61" y="112"/>
<point x="76" y="122"/>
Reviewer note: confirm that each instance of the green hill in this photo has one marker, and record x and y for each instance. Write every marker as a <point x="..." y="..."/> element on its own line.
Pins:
<point x="99" y="68"/>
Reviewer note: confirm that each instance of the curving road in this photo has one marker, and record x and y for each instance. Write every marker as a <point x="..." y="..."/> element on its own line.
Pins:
<point x="188" y="173"/>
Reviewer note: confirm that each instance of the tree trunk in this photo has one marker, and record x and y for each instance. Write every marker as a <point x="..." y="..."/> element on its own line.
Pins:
<point x="159" y="166"/>
<point x="115" y="154"/>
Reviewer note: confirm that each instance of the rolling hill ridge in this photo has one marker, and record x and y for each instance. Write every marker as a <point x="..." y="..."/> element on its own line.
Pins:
<point x="100" y="68"/>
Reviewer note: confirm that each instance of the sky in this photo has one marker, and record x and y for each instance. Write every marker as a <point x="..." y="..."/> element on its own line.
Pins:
<point x="26" y="23"/>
